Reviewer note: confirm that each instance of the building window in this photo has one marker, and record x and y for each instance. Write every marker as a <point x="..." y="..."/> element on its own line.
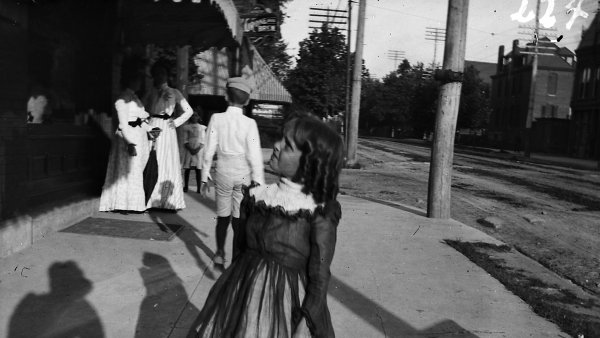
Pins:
<point x="552" y="83"/>
<point x="584" y="82"/>
<point x="544" y="111"/>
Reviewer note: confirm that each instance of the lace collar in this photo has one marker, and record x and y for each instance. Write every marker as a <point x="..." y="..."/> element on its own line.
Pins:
<point x="285" y="194"/>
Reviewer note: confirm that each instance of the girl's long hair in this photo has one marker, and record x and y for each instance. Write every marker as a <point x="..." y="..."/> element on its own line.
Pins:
<point x="322" y="156"/>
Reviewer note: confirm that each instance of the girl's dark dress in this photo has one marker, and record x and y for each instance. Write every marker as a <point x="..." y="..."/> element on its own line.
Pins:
<point x="282" y="272"/>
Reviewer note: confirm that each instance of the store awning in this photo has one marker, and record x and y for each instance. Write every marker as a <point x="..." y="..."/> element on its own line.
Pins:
<point x="268" y="87"/>
<point x="199" y="23"/>
<point x="213" y="65"/>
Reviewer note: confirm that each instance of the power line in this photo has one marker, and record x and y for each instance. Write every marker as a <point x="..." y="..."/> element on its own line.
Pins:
<point x="395" y="55"/>
<point x="327" y="16"/>
<point x="436" y="35"/>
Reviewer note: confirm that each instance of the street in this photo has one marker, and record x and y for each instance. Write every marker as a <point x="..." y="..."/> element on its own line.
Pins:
<point x="562" y="205"/>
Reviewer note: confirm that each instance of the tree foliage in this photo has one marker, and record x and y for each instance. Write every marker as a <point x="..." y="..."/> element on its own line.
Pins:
<point x="318" y="82"/>
<point x="475" y="108"/>
<point x="406" y="100"/>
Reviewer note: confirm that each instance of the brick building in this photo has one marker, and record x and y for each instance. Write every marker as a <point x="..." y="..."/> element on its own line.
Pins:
<point x="585" y="102"/>
<point x="511" y="98"/>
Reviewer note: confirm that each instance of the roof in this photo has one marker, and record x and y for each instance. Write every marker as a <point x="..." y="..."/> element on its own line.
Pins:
<point x="591" y="36"/>
<point x="486" y="69"/>
<point x="554" y="62"/>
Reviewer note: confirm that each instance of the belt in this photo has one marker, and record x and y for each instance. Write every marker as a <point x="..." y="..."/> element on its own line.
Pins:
<point x="161" y="116"/>
<point x="136" y="123"/>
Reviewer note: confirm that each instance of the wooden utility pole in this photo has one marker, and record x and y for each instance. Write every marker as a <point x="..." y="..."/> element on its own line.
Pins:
<point x="348" y="78"/>
<point x="331" y="17"/>
<point x="356" y="86"/>
<point x="396" y="55"/>
<point x="442" y="153"/>
<point x="436" y="35"/>
<point x="534" y="68"/>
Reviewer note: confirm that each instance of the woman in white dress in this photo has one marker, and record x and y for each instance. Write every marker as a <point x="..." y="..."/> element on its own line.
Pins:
<point x="161" y="102"/>
<point x="123" y="187"/>
<point x="194" y="138"/>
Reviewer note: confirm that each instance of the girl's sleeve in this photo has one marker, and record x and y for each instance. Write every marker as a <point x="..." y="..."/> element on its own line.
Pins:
<point x="123" y="116"/>
<point x="323" y="235"/>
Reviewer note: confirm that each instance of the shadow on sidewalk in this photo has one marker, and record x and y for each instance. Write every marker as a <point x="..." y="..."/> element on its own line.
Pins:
<point x="189" y="235"/>
<point x="386" y="322"/>
<point x="62" y="312"/>
<point x="165" y="297"/>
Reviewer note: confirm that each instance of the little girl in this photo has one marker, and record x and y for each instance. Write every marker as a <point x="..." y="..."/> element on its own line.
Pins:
<point x="277" y="284"/>
<point x="194" y="136"/>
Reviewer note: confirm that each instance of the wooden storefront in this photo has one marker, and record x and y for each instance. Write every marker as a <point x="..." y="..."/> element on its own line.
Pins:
<point x="71" y="51"/>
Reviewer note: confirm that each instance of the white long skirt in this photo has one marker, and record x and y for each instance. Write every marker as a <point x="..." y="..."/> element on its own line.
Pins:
<point x="124" y="183"/>
<point x="168" y="192"/>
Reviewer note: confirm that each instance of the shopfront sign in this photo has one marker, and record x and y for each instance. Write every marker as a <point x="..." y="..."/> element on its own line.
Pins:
<point x="260" y="22"/>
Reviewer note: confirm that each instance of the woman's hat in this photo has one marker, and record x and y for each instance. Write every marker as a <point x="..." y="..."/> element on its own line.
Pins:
<point x="239" y="83"/>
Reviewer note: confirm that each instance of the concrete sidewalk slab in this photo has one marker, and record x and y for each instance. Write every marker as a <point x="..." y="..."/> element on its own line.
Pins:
<point x="393" y="276"/>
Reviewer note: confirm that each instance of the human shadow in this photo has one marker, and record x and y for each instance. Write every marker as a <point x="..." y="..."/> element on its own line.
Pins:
<point x="386" y="322"/>
<point x="62" y="312"/>
<point x="189" y="235"/>
<point x="166" y="299"/>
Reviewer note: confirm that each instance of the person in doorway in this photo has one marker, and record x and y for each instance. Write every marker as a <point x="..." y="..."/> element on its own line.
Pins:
<point x="235" y="139"/>
<point x="194" y="135"/>
<point x="277" y="285"/>
<point x="161" y="102"/>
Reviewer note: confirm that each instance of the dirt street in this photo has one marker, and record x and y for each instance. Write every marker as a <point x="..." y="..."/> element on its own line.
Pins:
<point x="564" y="238"/>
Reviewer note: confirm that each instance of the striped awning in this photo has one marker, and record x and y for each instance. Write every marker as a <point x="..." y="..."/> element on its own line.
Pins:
<point x="230" y="13"/>
<point x="213" y="65"/>
<point x="268" y="87"/>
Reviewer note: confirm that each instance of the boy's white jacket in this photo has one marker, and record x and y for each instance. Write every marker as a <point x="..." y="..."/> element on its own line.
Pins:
<point x="233" y="134"/>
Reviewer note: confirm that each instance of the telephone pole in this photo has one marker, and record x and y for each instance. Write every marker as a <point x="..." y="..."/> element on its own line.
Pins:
<point x="348" y="79"/>
<point x="451" y="75"/>
<point x="436" y="35"/>
<point x="331" y="17"/>
<point x="534" y="68"/>
<point x="395" y="55"/>
<point x="356" y="86"/>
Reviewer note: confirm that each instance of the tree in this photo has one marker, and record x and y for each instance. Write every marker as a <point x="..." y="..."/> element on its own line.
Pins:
<point x="318" y="82"/>
<point x="475" y="106"/>
<point x="273" y="49"/>
<point x="404" y="101"/>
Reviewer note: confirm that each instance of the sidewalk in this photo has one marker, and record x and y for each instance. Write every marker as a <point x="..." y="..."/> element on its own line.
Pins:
<point x="392" y="276"/>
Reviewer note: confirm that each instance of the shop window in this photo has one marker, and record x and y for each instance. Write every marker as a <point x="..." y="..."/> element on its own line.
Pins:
<point x="552" y="83"/>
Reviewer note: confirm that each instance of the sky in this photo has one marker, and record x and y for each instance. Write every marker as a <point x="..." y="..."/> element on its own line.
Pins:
<point x="401" y="25"/>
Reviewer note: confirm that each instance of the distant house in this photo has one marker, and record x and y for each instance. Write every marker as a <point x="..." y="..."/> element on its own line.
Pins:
<point x="585" y="102"/>
<point x="512" y="98"/>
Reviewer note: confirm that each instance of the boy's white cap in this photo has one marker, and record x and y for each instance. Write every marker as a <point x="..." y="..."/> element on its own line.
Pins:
<point x="239" y="83"/>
